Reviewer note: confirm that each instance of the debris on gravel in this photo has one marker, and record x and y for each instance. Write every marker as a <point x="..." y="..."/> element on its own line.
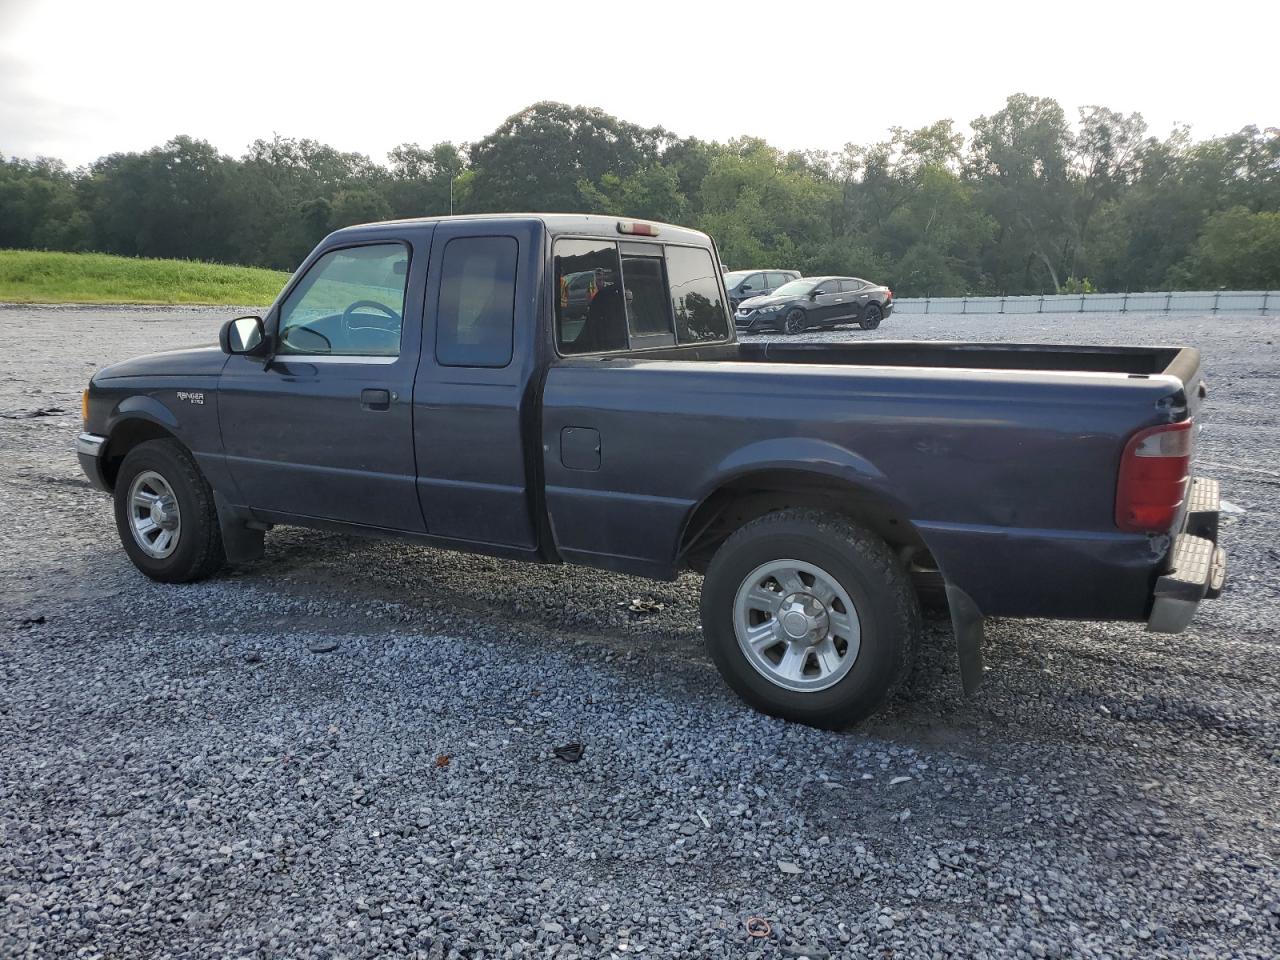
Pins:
<point x="181" y="775"/>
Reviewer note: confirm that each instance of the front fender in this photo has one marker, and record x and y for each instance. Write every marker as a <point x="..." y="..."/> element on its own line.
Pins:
<point x="143" y="407"/>
<point x="136" y="417"/>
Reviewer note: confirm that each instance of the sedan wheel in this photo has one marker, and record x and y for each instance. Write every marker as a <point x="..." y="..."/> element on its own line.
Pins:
<point x="794" y="322"/>
<point x="871" y="317"/>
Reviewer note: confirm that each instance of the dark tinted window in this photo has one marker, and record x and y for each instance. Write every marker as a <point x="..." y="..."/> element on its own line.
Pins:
<point x="591" y="314"/>
<point x="695" y="295"/>
<point x="476" y="316"/>
<point x="349" y="304"/>
<point x="648" y="309"/>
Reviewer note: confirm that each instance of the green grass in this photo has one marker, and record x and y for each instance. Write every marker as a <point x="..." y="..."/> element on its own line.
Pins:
<point x="28" y="276"/>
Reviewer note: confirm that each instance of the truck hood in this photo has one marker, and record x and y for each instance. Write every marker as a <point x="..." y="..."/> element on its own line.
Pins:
<point x="187" y="362"/>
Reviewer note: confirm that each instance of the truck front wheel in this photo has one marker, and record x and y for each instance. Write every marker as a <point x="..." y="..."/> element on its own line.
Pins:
<point x="810" y="617"/>
<point x="165" y="514"/>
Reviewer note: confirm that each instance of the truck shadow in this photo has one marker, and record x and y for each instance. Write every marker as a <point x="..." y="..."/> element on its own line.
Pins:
<point x="1045" y="683"/>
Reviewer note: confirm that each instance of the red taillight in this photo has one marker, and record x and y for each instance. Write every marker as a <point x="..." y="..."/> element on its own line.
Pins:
<point x="1153" y="478"/>
<point x="638" y="229"/>
<point x="890" y="294"/>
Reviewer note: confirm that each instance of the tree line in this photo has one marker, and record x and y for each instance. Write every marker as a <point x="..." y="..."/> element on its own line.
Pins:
<point x="1030" y="203"/>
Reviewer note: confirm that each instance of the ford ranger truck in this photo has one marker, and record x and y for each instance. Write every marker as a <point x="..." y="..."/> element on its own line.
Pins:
<point x="568" y="389"/>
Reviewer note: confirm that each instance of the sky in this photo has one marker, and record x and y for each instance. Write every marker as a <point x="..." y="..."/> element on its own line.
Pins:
<point x="79" y="80"/>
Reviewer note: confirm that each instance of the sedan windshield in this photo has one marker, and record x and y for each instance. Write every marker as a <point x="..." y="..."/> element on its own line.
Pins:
<point x="796" y="288"/>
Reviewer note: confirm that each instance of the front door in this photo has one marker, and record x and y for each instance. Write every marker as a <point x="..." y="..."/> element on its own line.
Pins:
<point x="325" y="428"/>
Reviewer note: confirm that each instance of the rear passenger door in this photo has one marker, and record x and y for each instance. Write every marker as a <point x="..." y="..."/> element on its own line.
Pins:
<point x="846" y="302"/>
<point x="473" y="401"/>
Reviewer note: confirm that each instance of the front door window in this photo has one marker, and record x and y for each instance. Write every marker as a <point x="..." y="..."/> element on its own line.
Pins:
<point x="350" y="303"/>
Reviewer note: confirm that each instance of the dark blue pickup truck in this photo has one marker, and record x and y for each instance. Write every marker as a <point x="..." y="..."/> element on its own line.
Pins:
<point x="567" y="388"/>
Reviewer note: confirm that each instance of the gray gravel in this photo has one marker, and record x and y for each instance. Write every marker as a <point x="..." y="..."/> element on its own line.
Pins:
<point x="182" y="776"/>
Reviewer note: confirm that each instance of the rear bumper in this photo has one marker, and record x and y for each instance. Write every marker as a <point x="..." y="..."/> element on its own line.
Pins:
<point x="1196" y="566"/>
<point x="89" y="453"/>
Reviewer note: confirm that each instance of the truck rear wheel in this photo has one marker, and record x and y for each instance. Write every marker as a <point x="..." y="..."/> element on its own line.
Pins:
<point x="810" y="617"/>
<point x="165" y="514"/>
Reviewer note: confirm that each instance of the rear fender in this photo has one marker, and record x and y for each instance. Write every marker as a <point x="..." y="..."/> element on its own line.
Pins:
<point x="807" y="454"/>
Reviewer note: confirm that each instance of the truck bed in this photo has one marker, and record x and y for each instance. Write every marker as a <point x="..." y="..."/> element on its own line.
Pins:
<point x="1180" y="362"/>
<point x="1003" y="458"/>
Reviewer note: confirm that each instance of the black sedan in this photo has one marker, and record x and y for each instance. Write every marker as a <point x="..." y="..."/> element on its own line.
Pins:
<point x="816" y="302"/>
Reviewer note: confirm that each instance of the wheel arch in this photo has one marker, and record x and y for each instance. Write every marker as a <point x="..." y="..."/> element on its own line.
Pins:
<point x="135" y="421"/>
<point x="827" y="477"/>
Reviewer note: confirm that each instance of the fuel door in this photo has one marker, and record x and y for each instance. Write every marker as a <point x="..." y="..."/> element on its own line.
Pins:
<point x="580" y="448"/>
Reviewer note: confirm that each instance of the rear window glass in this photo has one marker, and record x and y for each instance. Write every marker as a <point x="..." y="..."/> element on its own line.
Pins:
<point x="695" y="296"/>
<point x="476" y="316"/>
<point x="645" y="292"/>
<point x="591" y="313"/>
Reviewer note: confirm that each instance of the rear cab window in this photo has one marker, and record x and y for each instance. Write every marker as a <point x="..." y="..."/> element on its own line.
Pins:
<point x="621" y="295"/>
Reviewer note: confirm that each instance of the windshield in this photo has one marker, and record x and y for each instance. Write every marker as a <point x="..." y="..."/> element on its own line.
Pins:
<point x="796" y="288"/>
<point x="735" y="277"/>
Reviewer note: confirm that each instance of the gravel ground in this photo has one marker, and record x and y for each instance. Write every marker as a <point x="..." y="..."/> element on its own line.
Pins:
<point x="346" y="748"/>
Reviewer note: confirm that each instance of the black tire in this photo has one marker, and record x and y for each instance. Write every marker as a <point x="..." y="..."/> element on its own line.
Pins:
<point x="864" y="567"/>
<point x="794" y="321"/>
<point x="871" y="317"/>
<point x="198" y="552"/>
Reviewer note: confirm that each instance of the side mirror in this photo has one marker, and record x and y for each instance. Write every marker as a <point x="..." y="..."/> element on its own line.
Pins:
<point x="244" y="336"/>
<point x="815" y="294"/>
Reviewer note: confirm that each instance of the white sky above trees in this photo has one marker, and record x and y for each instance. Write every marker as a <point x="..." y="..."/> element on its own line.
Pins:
<point x="83" y="78"/>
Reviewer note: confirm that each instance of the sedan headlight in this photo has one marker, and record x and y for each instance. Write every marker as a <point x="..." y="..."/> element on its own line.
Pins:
<point x="773" y="309"/>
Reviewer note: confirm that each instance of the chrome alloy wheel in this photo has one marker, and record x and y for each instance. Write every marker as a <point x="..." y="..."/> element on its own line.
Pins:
<point x="154" y="518"/>
<point x="796" y="625"/>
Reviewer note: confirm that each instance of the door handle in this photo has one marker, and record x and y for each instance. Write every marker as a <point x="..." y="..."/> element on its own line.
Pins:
<point x="375" y="399"/>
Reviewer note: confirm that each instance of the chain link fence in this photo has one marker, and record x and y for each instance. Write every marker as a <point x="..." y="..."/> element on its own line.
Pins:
<point x="1254" y="302"/>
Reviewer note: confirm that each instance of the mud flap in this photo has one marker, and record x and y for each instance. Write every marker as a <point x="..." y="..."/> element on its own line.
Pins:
<point x="240" y="542"/>
<point x="966" y="623"/>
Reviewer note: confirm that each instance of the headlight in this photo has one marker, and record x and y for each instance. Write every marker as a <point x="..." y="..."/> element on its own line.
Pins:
<point x="773" y="309"/>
